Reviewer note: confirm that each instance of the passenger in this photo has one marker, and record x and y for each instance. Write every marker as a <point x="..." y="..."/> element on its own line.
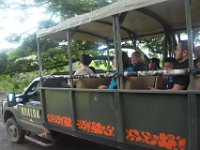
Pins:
<point x="197" y="55"/>
<point x="126" y="68"/>
<point x="138" y="61"/>
<point x="181" y="82"/>
<point x="154" y="64"/>
<point x="170" y="63"/>
<point x="85" y="61"/>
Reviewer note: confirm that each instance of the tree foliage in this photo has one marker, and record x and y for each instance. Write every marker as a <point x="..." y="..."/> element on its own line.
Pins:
<point x="24" y="58"/>
<point x="155" y="46"/>
<point x="65" y="9"/>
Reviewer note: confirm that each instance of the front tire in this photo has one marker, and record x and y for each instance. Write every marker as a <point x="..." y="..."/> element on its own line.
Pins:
<point x="14" y="132"/>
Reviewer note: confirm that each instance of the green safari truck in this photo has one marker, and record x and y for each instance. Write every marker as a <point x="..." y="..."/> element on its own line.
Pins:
<point x="130" y="116"/>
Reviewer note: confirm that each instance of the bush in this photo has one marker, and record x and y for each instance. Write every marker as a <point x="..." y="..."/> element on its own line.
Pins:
<point x="16" y="83"/>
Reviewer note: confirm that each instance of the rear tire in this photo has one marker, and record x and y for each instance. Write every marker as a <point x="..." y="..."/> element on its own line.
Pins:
<point x="14" y="132"/>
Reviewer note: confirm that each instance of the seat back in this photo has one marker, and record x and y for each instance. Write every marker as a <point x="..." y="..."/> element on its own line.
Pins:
<point x="140" y="83"/>
<point x="197" y="82"/>
<point x="161" y="82"/>
<point x="92" y="83"/>
<point x="55" y="83"/>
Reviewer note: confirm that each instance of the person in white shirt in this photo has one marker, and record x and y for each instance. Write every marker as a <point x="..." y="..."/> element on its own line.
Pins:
<point x="85" y="61"/>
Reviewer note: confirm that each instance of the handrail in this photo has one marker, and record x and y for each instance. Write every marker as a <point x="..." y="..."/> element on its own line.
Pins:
<point x="126" y="74"/>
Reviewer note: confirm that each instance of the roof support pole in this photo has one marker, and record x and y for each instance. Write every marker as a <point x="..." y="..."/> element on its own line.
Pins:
<point x="44" y="110"/>
<point x="69" y="51"/>
<point x="119" y="66"/>
<point x="179" y="36"/>
<point x="189" y="32"/>
<point x="118" y="51"/>
<point x="69" y="55"/>
<point x="165" y="48"/>
<point x="39" y="59"/>
<point x="71" y="93"/>
<point x="133" y="40"/>
<point x="174" y="43"/>
<point x="190" y="38"/>
<point x="192" y="98"/>
<point x="108" y="56"/>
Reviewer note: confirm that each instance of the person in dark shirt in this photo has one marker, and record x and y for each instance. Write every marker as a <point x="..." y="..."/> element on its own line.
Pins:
<point x="138" y="61"/>
<point x="169" y="64"/>
<point x="154" y="64"/>
<point x="181" y="82"/>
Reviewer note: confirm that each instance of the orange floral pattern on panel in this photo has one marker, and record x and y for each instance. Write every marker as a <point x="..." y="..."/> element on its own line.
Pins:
<point x="95" y="127"/>
<point x="60" y="120"/>
<point x="167" y="141"/>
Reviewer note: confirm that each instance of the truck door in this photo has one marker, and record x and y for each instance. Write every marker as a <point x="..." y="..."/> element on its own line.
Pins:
<point x="30" y="112"/>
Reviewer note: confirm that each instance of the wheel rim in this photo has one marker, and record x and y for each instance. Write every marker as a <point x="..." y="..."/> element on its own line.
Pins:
<point x="12" y="130"/>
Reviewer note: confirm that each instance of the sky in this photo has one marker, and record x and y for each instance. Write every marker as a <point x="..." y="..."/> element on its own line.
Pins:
<point x="18" y="21"/>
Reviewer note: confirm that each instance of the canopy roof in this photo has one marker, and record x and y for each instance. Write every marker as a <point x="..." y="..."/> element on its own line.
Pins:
<point x="138" y="18"/>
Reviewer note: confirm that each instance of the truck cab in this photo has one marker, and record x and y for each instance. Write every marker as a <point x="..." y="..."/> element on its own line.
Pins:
<point x="22" y="112"/>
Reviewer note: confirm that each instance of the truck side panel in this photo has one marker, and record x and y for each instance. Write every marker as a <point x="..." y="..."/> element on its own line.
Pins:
<point x="122" y="117"/>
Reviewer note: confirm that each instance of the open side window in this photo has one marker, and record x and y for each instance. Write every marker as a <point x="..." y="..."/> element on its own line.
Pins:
<point x="33" y="92"/>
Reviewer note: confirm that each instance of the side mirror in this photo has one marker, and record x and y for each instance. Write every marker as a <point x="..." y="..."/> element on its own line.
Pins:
<point x="11" y="99"/>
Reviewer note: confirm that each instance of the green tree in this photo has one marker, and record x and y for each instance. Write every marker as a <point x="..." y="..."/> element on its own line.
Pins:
<point x="65" y="9"/>
<point x="23" y="58"/>
<point x="156" y="45"/>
